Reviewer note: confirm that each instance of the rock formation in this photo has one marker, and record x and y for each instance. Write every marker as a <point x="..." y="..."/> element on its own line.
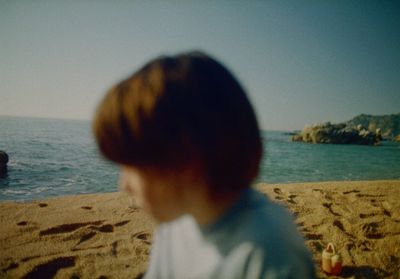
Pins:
<point x="338" y="134"/>
<point x="3" y="163"/>
<point x="388" y="124"/>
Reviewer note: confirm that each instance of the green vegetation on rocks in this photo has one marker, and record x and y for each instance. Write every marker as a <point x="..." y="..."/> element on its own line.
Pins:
<point x="388" y="124"/>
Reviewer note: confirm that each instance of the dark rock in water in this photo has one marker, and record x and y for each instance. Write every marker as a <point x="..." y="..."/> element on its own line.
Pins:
<point x="3" y="158"/>
<point x="291" y="133"/>
<point x="337" y="134"/>
<point x="3" y="163"/>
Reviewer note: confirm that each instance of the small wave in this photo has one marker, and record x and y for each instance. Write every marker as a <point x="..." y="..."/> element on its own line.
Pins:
<point x="69" y="180"/>
<point x="64" y="168"/>
<point x="41" y="189"/>
<point x="16" y="192"/>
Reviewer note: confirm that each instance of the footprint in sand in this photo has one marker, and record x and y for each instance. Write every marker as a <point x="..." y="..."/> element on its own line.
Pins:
<point x="105" y="228"/>
<point x="50" y="268"/>
<point x="86" y="237"/>
<point x="82" y="245"/>
<point x="339" y="225"/>
<point x="364" y="245"/>
<point x="371" y="231"/>
<point x="290" y="199"/>
<point x="114" y="246"/>
<point x="379" y="205"/>
<point x="387" y="213"/>
<point x="143" y="236"/>
<point x="313" y="236"/>
<point x="351" y="191"/>
<point x="65" y="228"/>
<point x="89" y="231"/>
<point x="363" y="216"/>
<point x="349" y="245"/>
<point x="277" y="191"/>
<point x="26" y="227"/>
<point x="132" y="209"/>
<point x="329" y="207"/>
<point x="122" y="223"/>
<point x="95" y="229"/>
<point x="375" y="203"/>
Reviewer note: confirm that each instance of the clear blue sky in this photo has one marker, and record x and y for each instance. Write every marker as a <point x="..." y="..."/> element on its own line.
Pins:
<point x="300" y="61"/>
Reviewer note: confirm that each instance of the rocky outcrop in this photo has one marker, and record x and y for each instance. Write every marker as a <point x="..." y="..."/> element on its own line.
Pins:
<point x="389" y="124"/>
<point x="3" y="163"/>
<point x="338" y="134"/>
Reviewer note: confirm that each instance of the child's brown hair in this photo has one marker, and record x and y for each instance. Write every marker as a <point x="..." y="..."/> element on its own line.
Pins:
<point x="179" y="111"/>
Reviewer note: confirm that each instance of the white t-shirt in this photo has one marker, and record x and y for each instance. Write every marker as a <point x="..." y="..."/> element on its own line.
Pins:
<point x="254" y="239"/>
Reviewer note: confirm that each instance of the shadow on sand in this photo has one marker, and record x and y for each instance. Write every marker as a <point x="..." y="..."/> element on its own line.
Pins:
<point x="359" y="272"/>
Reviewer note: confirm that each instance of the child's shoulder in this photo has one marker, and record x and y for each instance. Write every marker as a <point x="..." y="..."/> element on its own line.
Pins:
<point x="259" y="221"/>
<point x="260" y="236"/>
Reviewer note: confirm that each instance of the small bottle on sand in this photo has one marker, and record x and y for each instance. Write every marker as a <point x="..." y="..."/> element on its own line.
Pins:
<point x="331" y="261"/>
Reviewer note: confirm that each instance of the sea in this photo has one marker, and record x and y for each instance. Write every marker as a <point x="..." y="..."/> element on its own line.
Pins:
<point x="54" y="157"/>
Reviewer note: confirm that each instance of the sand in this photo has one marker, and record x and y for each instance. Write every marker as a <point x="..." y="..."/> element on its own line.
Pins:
<point x="361" y="218"/>
<point x="106" y="236"/>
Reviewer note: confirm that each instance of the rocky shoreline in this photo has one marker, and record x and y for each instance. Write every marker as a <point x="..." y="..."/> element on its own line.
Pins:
<point x="363" y="129"/>
<point x="338" y="134"/>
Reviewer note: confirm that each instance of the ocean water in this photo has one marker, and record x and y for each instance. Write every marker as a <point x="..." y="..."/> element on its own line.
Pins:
<point x="51" y="157"/>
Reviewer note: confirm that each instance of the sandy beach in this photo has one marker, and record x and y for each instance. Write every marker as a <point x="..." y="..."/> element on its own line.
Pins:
<point x="106" y="236"/>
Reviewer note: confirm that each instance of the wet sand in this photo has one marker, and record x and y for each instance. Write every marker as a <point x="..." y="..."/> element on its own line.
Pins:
<point x="106" y="236"/>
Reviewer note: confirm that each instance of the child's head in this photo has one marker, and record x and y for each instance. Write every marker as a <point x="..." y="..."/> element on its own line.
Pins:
<point x="179" y="112"/>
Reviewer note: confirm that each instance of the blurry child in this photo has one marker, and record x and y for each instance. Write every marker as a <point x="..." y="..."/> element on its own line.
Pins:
<point x="188" y="144"/>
